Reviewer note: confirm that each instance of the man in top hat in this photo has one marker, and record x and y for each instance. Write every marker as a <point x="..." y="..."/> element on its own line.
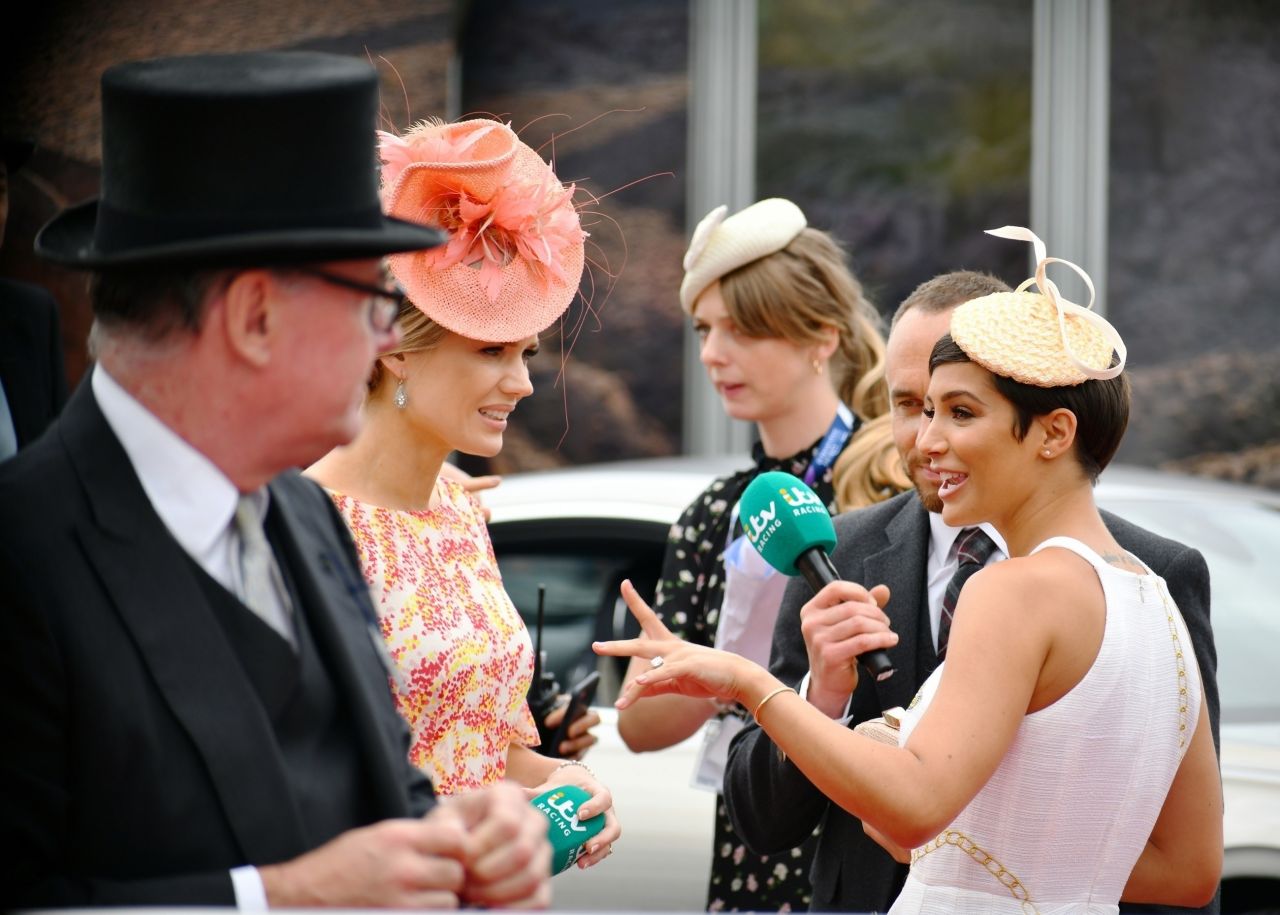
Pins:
<point x="193" y="703"/>
<point x="33" y="383"/>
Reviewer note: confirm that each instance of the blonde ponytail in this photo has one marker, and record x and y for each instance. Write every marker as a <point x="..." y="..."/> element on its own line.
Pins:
<point x="869" y="470"/>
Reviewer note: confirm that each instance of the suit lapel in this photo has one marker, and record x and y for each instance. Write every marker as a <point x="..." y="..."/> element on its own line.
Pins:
<point x="336" y="601"/>
<point x="149" y="580"/>
<point x="901" y="565"/>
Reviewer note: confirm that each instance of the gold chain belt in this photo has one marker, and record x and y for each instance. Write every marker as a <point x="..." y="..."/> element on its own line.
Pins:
<point x="988" y="861"/>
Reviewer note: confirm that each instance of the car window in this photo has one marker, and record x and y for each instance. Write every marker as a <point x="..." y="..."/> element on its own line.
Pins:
<point x="1241" y="544"/>
<point x="581" y="572"/>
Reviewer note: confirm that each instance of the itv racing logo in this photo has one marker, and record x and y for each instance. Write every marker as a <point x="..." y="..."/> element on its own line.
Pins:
<point x="762" y="525"/>
<point x="759" y="528"/>
<point x="803" y="499"/>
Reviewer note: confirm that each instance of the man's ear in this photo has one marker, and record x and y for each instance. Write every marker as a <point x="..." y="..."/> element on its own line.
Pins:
<point x="251" y="315"/>
<point x="1058" y="431"/>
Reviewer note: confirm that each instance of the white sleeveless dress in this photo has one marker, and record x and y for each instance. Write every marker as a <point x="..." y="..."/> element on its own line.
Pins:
<point x="1061" y="823"/>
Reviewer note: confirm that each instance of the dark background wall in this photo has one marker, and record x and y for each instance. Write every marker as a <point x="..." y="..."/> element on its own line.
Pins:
<point x="599" y="88"/>
<point x="904" y="128"/>
<point x="54" y="52"/>
<point x="603" y="88"/>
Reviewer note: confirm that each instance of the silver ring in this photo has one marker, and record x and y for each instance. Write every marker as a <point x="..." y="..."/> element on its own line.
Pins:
<point x="656" y="662"/>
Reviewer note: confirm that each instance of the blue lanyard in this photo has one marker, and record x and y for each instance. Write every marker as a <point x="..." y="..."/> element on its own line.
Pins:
<point x="832" y="443"/>
<point x="824" y="455"/>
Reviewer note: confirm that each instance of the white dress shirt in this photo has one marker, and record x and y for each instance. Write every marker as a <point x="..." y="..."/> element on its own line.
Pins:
<point x="193" y="497"/>
<point x="196" y="502"/>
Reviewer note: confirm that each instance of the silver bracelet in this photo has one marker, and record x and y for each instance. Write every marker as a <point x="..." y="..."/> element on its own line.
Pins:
<point x="574" y="762"/>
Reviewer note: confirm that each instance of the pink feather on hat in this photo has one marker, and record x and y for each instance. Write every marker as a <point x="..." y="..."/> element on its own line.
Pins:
<point x="516" y="251"/>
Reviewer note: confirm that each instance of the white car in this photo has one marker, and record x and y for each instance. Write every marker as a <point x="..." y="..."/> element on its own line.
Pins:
<point x="581" y="531"/>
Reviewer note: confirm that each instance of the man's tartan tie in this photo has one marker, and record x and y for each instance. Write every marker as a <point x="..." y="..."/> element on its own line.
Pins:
<point x="973" y="548"/>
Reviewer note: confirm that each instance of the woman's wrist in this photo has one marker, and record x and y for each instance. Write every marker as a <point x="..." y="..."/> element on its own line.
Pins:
<point x="756" y="686"/>
<point x="777" y="691"/>
<point x="573" y="762"/>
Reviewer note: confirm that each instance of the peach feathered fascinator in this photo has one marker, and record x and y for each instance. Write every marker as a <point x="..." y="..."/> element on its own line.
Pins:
<point x="1038" y="338"/>
<point x="516" y="249"/>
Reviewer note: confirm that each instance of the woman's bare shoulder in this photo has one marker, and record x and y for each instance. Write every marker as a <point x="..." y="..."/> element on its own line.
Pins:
<point x="1043" y="580"/>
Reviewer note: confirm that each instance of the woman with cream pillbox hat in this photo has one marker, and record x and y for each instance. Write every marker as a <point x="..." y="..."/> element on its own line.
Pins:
<point x="791" y="344"/>
<point x="469" y="324"/>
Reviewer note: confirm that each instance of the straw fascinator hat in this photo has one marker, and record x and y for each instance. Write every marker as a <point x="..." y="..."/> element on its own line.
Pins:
<point x="719" y="245"/>
<point x="516" y="252"/>
<point x="1038" y="338"/>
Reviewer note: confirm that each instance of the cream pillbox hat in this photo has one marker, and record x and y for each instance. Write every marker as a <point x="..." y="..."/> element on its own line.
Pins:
<point x="720" y="246"/>
<point x="1038" y="338"/>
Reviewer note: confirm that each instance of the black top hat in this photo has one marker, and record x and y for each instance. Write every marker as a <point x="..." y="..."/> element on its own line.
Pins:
<point x="235" y="159"/>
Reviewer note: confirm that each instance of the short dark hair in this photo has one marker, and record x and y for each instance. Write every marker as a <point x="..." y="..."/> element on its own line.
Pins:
<point x="947" y="290"/>
<point x="152" y="303"/>
<point x="1101" y="407"/>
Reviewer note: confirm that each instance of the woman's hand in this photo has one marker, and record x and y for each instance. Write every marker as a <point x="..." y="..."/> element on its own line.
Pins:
<point x="599" y="846"/>
<point x="578" y="739"/>
<point x="473" y="485"/>
<point x="684" y="669"/>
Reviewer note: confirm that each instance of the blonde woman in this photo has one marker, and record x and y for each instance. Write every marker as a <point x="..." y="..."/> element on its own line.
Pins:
<point x="792" y="345"/>
<point x="468" y="328"/>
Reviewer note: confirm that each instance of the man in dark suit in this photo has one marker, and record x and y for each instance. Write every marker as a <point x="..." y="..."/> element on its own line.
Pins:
<point x="194" y="707"/>
<point x="901" y="543"/>
<point x="33" y="383"/>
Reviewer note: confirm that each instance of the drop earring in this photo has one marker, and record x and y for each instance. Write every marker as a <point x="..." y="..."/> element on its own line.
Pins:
<point x="817" y="367"/>
<point x="401" y="398"/>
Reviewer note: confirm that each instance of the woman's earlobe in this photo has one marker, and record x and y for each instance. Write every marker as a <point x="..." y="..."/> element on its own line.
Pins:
<point x="1059" y="432"/>
<point x="393" y="364"/>
<point x="826" y="350"/>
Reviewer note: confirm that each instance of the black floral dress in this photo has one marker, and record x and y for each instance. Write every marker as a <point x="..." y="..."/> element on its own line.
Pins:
<point x="688" y="600"/>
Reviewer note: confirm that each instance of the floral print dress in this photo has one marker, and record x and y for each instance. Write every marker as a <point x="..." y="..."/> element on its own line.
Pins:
<point x="464" y="652"/>
<point x="690" y="593"/>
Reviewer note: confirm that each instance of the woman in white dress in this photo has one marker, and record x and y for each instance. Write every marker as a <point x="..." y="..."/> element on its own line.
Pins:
<point x="1060" y="759"/>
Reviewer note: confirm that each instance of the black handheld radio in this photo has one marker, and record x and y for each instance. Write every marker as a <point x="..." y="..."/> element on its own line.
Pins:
<point x="544" y="691"/>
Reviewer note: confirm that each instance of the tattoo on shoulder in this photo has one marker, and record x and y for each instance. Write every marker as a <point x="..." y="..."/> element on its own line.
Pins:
<point x="1123" y="561"/>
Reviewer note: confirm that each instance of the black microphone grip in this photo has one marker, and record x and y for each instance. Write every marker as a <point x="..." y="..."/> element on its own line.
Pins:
<point x="815" y="565"/>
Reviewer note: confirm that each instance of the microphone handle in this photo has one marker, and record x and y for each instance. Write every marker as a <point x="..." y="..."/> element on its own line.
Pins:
<point x="815" y="565"/>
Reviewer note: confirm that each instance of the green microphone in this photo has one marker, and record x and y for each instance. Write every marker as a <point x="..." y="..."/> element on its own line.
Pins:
<point x="791" y="529"/>
<point x="568" y="837"/>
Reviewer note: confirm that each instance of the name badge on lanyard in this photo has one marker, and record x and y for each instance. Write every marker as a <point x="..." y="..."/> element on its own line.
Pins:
<point x="752" y="597"/>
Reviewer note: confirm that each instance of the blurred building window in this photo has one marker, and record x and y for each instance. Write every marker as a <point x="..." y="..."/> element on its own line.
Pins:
<point x="601" y="88"/>
<point x="1195" y="232"/>
<point x="902" y="128"/>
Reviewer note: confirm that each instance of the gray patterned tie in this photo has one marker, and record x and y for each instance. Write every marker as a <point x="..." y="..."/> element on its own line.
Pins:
<point x="973" y="549"/>
<point x="261" y="586"/>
